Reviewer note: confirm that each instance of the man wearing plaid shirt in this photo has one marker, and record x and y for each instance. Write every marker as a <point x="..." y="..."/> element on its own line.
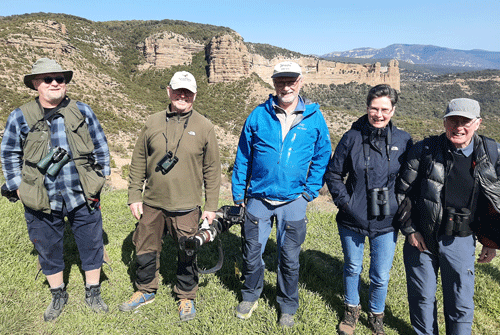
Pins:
<point x="55" y="155"/>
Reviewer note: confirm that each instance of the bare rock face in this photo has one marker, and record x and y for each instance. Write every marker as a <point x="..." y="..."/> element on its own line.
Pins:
<point x="49" y="36"/>
<point x="167" y="49"/>
<point x="228" y="59"/>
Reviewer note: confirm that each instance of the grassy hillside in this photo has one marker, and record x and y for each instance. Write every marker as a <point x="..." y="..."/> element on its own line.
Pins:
<point x="23" y="300"/>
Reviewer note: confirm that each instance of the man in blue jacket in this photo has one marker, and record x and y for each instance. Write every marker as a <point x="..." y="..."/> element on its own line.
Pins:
<point x="282" y="155"/>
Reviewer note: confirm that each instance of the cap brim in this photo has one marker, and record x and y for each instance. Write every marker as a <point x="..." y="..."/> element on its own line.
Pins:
<point x="461" y="113"/>
<point x="285" y="74"/>
<point x="176" y="87"/>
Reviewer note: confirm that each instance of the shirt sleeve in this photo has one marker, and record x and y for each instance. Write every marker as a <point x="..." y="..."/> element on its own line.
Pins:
<point x="211" y="172"/>
<point x="14" y="135"/>
<point x="241" y="169"/>
<point x="319" y="161"/>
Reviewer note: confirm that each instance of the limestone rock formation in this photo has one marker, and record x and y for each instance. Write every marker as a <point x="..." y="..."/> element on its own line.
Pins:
<point x="228" y="59"/>
<point x="167" y="49"/>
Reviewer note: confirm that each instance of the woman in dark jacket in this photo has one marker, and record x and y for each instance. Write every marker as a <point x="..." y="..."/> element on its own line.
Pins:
<point x="370" y="154"/>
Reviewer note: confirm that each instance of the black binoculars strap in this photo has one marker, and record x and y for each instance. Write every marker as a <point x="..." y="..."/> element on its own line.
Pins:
<point x="178" y="142"/>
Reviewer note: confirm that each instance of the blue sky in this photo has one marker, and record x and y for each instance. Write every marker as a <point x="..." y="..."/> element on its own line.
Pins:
<point x="309" y="27"/>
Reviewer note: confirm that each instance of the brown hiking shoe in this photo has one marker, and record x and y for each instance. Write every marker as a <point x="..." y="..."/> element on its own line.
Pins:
<point x="376" y="323"/>
<point x="351" y="317"/>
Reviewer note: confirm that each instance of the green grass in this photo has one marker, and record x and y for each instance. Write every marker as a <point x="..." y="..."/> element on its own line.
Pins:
<point x="23" y="300"/>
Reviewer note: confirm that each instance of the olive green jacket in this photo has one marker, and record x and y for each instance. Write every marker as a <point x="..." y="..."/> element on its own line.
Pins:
<point x="198" y="166"/>
<point x="32" y="189"/>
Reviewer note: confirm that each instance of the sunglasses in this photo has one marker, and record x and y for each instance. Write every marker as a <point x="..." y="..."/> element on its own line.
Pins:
<point x="49" y="80"/>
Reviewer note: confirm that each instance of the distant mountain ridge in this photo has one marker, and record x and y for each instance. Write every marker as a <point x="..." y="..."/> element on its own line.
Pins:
<point x="426" y="54"/>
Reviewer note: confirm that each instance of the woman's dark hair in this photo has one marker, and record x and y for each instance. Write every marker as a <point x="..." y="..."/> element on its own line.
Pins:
<point x="382" y="90"/>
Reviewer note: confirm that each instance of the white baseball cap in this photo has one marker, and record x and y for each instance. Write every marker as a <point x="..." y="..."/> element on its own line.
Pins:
<point x="183" y="79"/>
<point x="287" y="69"/>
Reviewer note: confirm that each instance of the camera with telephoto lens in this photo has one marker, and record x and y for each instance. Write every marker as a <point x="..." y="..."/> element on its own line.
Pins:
<point x="167" y="162"/>
<point x="457" y="223"/>
<point x="54" y="161"/>
<point x="231" y="215"/>
<point x="378" y="201"/>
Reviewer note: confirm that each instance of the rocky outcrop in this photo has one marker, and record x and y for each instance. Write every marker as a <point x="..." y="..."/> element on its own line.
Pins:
<point x="228" y="59"/>
<point x="317" y="71"/>
<point x="49" y="37"/>
<point x="167" y="49"/>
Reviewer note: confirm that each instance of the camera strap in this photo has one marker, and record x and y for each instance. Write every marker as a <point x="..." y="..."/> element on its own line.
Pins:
<point x="217" y="266"/>
<point x="366" y="154"/>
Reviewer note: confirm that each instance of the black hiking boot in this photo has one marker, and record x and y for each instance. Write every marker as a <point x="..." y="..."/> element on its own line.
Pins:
<point x="94" y="300"/>
<point x="59" y="299"/>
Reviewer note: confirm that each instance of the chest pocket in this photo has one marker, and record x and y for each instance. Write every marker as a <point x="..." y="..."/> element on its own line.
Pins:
<point x="83" y="144"/>
<point x="35" y="146"/>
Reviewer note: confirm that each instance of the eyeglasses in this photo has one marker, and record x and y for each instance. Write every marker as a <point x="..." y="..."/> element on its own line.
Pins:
<point x="49" y="80"/>
<point x="460" y="122"/>
<point x="384" y="111"/>
<point x="286" y="83"/>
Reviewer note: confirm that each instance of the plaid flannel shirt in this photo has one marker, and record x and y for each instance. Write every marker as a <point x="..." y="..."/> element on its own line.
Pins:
<point x="65" y="187"/>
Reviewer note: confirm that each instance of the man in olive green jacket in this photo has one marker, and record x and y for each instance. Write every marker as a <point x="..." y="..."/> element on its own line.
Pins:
<point x="175" y="157"/>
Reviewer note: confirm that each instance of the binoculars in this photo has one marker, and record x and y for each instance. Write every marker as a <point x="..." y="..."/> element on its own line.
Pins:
<point x="378" y="201"/>
<point x="167" y="162"/>
<point x="457" y="223"/>
<point x="54" y="161"/>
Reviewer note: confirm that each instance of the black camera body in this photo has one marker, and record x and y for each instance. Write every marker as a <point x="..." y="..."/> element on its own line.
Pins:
<point x="231" y="215"/>
<point x="378" y="201"/>
<point x="457" y="223"/>
<point x="167" y="162"/>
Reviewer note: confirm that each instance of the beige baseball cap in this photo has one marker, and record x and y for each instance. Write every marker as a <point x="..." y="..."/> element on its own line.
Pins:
<point x="183" y="79"/>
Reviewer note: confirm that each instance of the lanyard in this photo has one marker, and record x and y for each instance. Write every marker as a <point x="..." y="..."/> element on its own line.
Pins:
<point x="182" y="134"/>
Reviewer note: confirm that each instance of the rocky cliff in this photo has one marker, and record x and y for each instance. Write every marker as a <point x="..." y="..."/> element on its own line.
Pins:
<point x="166" y="49"/>
<point x="229" y="60"/>
<point x="232" y="60"/>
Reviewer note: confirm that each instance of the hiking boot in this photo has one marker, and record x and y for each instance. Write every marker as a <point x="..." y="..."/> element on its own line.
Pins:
<point x="59" y="299"/>
<point x="245" y="309"/>
<point x="376" y="321"/>
<point x="94" y="300"/>
<point x="286" y="320"/>
<point x="137" y="300"/>
<point x="351" y="317"/>
<point x="186" y="309"/>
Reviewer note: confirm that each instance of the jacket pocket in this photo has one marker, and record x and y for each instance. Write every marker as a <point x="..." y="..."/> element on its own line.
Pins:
<point x="92" y="180"/>
<point x="32" y="190"/>
<point x="83" y="144"/>
<point x="35" y="146"/>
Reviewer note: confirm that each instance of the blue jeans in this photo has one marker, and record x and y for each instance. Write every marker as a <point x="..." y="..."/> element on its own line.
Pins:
<point x="382" y="249"/>
<point x="291" y="223"/>
<point x="456" y="259"/>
